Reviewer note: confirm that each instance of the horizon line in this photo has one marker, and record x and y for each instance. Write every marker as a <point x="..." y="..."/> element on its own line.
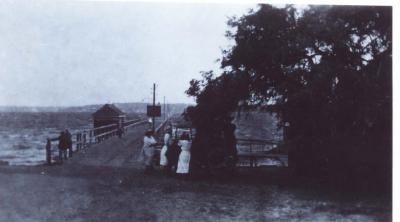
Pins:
<point x="91" y="104"/>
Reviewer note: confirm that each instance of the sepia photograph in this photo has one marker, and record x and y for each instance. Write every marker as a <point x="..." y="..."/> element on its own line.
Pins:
<point x="196" y="111"/>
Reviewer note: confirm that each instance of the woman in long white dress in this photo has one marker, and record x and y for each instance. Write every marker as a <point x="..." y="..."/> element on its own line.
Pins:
<point x="163" y="157"/>
<point x="184" y="156"/>
<point x="148" y="150"/>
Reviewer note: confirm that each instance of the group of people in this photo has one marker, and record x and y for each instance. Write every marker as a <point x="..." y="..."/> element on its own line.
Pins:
<point x="64" y="145"/>
<point x="174" y="155"/>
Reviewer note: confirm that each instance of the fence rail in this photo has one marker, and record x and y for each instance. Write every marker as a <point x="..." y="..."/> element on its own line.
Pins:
<point x="256" y="145"/>
<point x="132" y="124"/>
<point x="253" y="150"/>
<point x="86" y="138"/>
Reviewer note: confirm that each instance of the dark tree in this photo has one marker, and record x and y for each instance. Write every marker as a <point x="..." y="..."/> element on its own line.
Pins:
<point x="326" y="72"/>
<point x="216" y="99"/>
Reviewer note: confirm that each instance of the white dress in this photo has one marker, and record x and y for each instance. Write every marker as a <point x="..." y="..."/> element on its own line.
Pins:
<point x="163" y="158"/>
<point x="184" y="156"/>
<point x="148" y="150"/>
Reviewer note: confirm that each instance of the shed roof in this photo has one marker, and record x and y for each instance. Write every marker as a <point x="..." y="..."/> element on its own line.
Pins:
<point x="108" y="110"/>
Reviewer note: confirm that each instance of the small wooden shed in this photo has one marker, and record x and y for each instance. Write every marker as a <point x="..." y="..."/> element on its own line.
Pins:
<point x="106" y="115"/>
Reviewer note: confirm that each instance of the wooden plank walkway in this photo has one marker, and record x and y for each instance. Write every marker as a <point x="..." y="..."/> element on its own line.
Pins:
<point x="114" y="152"/>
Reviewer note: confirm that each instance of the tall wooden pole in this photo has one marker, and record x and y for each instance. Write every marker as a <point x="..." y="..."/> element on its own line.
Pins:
<point x="154" y="104"/>
<point x="165" y="113"/>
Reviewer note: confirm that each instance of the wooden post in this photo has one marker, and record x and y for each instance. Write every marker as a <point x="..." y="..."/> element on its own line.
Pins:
<point x="165" y="117"/>
<point x="154" y="104"/>
<point x="84" y="139"/>
<point x="48" y="151"/>
<point x="92" y="137"/>
<point x="78" y="141"/>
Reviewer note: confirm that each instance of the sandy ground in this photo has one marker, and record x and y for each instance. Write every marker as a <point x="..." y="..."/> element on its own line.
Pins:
<point x="105" y="183"/>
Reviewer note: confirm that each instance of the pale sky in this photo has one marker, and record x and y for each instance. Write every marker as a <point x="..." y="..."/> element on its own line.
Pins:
<point x="78" y="53"/>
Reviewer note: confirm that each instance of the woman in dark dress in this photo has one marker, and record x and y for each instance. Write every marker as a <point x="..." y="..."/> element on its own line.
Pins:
<point x="172" y="155"/>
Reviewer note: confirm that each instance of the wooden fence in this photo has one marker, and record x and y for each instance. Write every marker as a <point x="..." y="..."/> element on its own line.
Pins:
<point x="251" y="151"/>
<point x="88" y="137"/>
<point x="256" y="145"/>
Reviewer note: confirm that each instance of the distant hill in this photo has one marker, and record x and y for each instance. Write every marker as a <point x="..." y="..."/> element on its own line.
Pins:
<point x="28" y="109"/>
<point x="126" y="107"/>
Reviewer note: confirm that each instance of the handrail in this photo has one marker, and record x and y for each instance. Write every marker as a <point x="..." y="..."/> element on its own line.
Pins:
<point x="259" y="141"/>
<point x="128" y="122"/>
<point x="104" y="127"/>
<point x="254" y="149"/>
<point x="106" y="133"/>
<point x="136" y="123"/>
<point x="162" y="125"/>
<point x="93" y="129"/>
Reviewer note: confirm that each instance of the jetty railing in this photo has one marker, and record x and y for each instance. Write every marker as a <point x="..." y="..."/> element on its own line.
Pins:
<point x="89" y="137"/>
<point x="252" y="150"/>
<point x="160" y="130"/>
<point x="256" y="145"/>
<point x="131" y="123"/>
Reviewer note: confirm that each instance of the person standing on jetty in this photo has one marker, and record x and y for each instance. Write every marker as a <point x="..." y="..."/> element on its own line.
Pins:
<point x="62" y="146"/>
<point x="167" y="143"/>
<point x="68" y="140"/>
<point x="148" y="150"/>
<point x="120" y="131"/>
<point x="184" y="156"/>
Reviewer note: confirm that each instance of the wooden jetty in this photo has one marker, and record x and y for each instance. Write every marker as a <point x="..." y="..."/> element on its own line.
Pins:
<point x="87" y="138"/>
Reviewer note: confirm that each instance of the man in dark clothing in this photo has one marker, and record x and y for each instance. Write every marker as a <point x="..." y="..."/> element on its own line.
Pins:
<point x="62" y="146"/>
<point x="230" y="140"/>
<point x="68" y="141"/>
<point x="120" y="132"/>
<point x="172" y="155"/>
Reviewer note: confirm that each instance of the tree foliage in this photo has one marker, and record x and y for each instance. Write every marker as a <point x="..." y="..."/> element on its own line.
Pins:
<point x="326" y="72"/>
